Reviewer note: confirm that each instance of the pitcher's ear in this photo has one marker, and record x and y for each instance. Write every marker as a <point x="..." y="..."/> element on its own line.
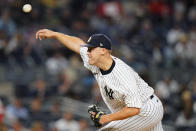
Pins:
<point x="103" y="50"/>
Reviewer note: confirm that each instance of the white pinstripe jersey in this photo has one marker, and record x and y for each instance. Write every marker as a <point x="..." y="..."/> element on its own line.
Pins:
<point x="120" y="86"/>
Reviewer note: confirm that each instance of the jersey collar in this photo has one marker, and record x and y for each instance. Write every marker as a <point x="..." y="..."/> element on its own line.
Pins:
<point x="109" y="70"/>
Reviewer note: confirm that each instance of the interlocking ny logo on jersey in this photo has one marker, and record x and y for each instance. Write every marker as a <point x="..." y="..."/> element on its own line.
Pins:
<point x="109" y="93"/>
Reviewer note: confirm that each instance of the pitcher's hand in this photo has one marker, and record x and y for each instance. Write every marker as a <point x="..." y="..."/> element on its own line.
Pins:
<point x="44" y="34"/>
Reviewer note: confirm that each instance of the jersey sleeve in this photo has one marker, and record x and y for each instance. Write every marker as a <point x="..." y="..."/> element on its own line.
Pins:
<point x="83" y="54"/>
<point x="130" y="90"/>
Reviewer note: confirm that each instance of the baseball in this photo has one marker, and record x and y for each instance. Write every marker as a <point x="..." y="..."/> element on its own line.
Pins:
<point x="27" y="8"/>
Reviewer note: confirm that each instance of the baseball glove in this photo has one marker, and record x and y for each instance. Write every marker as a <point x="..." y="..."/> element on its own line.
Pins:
<point x="98" y="113"/>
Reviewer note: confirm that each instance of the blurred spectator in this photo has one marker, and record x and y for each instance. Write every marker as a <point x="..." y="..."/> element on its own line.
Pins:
<point x="1" y="111"/>
<point x="169" y="56"/>
<point x="182" y="49"/>
<point x="56" y="64"/>
<point x="157" y="53"/>
<point x="73" y="68"/>
<point x="49" y="3"/>
<point x="16" y="110"/>
<point x="13" y="43"/>
<point x="82" y="92"/>
<point x="84" y="125"/>
<point x="166" y="87"/>
<point x="147" y="36"/>
<point x="174" y="34"/>
<point x="96" y="95"/>
<point x="185" y="119"/>
<point x="192" y="14"/>
<point x="156" y="7"/>
<point x="64" y="86"/>
<point x="192" y="43"/>
<point x="67" y="123"/>
<point x="111" y="8"/>
<point x="39" y="89"/>
<point x="193" y="87"/>
<point x="17" y="126"/>
<point x="65" y="17"/>
<point x="127" y="53"/>
<point x="51" y="20"/>
<point x="54" y="112"/>
<point x="179" y="14"/>
<point x="6" y="23"/>
<point x="2" y="127"/>
<point x="37" y="126"/>
<point x="179" y="6"/>
<point x="36" y="112"/>
<point x="3" y="44"/>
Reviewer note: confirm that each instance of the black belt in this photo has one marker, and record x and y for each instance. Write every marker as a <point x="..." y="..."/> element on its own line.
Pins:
<point x="152" y="96"/>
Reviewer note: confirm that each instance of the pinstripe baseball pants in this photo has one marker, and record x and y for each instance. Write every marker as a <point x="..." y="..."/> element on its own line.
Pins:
<point x="149" y="119"/>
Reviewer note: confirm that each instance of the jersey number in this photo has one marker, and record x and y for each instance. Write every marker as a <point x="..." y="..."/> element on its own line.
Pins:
<point x="109" y="93"/>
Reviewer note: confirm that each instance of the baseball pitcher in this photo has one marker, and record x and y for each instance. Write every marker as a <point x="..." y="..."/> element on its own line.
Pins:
<point x="132" y="102"/>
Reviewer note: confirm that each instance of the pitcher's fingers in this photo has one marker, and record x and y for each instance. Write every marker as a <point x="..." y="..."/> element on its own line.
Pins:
<point x="42" y="37"/>
<point x="42" y="34"/>
<point x="38" y="34"/>
<point x="40" y="31"/>
<point x="93" y="114"/>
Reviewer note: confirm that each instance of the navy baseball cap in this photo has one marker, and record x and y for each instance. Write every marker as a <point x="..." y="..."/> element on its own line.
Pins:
<point x="99" y="40"/>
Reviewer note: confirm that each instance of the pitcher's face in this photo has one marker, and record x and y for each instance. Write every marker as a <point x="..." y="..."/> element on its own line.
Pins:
<point x="94" y="54"/>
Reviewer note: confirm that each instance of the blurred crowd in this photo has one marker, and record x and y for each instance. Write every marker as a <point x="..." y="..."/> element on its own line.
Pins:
<point x="155" y="37"/>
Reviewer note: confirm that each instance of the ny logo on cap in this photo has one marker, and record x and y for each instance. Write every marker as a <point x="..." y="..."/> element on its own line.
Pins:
<point x="101" y="44"/>
<point x="89" y="39"/>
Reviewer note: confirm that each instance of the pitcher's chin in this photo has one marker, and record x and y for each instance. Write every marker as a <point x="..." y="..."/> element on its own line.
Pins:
<point x="90" y="62"/>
